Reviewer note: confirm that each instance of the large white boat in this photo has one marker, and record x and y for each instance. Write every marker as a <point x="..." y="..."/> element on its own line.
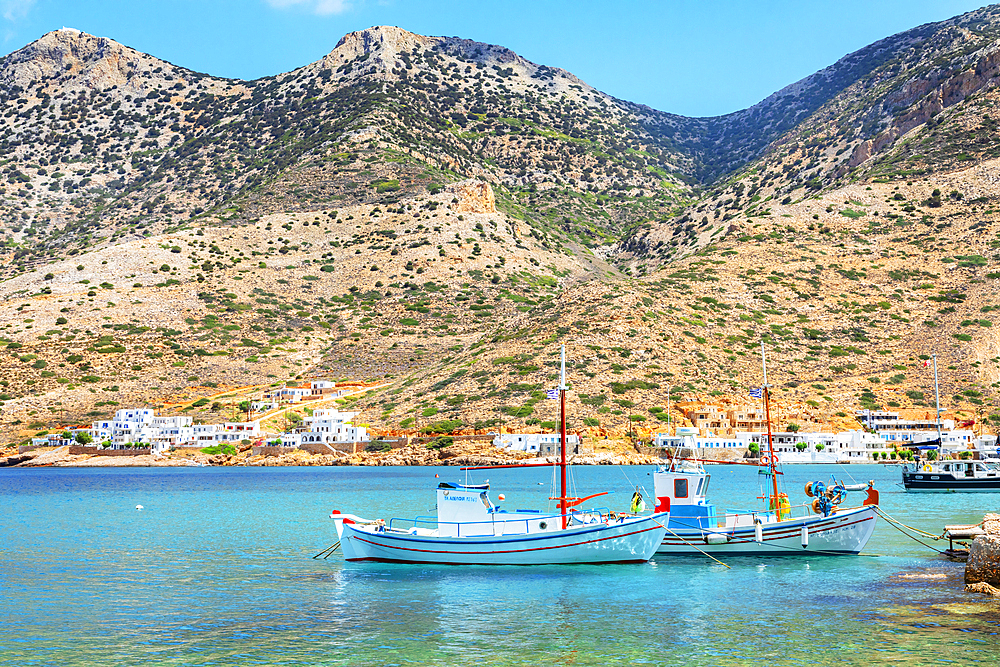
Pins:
<point x="470" y="529"/>
<point x="819" y="527"/>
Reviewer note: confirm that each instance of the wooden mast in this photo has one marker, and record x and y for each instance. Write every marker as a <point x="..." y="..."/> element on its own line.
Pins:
<point x="773" y="460"/>
<point x="562" y="438"/>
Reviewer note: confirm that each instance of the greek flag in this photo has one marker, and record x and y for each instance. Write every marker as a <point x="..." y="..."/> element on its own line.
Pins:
<point x="757" y="392"/>
<point x="552" y="393"/>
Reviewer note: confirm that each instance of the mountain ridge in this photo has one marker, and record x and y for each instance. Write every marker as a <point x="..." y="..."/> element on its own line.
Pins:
<point x="444" y="214"/>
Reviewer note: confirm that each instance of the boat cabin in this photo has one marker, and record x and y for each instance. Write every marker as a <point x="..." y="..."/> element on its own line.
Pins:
<point x="681" y="489"/>
<point x="462" y="504"/>
<point x="467" y="511"/>
<point x="969" y="469"/>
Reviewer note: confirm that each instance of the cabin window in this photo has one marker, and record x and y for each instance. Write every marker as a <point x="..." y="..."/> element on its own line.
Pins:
<point x="701" y="483"/>
<point x="680" y="488"/>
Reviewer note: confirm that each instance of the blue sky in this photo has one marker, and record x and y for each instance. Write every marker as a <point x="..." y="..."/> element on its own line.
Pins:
<point x="691" y="57"/>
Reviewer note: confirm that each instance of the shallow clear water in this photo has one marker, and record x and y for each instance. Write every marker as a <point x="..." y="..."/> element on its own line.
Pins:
<point x="217" y="569"/>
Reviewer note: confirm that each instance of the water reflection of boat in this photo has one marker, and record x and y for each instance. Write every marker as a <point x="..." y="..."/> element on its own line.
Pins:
<point x="470" y="529"/>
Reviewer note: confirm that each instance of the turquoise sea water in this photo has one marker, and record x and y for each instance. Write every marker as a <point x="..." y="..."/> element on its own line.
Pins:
<point x="217" y="569"/>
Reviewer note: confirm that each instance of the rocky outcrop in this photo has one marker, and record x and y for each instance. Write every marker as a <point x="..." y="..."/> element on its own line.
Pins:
<point x="983" y="565"/>
<point x="473" y="197"/>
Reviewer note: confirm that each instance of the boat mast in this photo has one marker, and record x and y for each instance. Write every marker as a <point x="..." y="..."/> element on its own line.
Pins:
<point x="668" y="412"/>
<point x="937" y="404"/>
<point x="773" y="462"/>
<point x="562" y="438"/>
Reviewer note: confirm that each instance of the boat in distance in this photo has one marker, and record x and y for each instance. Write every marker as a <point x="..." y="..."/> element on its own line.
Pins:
<point x="471" y="530"/>
<point x="950" y="476"/>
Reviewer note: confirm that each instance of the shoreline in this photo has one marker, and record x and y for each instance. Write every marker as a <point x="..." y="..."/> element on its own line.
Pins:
<point x="414" y="455"/>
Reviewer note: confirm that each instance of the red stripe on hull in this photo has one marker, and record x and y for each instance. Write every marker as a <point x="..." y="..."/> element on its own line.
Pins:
<point x="783" y="534"/>
<point x="509" y="551"/>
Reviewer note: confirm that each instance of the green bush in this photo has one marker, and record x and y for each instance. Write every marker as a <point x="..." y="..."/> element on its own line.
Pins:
<point x="441" y="442"/>
<point x="224" y="448"/>
<point x="443" y="426"/>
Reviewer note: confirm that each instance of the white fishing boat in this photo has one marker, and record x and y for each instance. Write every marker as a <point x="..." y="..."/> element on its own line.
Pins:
<point x="821" y="526"/>
<point x="470" y="529"/>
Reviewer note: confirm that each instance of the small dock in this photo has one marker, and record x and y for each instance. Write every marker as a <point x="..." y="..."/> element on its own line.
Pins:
<point x="962" y="534"/>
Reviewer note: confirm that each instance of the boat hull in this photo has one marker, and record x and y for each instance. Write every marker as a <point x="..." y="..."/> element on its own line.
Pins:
<point x="634" y="540"/>
<point x="924" y="482"/>
<point x="842" y="533"/>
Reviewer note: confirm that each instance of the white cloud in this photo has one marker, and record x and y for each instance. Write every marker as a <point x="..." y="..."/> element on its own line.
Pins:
<point x="12" y="10"/>
<point x="320" y="7"/>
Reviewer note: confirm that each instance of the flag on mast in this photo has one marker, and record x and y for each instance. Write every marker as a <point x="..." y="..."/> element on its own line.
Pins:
<point x="552" y="393"/>
<point x="757" y="392"/>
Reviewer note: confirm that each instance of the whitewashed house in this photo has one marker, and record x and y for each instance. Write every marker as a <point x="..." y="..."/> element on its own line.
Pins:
<point x="293" y="394"/>
<point x="332" y="426"/>
<point x="174" y="431"/>
<point x="325" y="387"/>
<point x="849" y="446"/>
<point x="536" y="442"/>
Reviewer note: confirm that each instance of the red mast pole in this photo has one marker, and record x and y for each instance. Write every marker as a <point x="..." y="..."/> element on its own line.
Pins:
<point x="772" y="459"/>
<point x="562" y="440"/>
<point x="562" y="457"/>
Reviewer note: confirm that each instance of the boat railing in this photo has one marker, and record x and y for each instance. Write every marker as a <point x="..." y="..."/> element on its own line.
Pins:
<point x="768" y="515"/>
<point x="507" y="523"/>
<point x="511" y="524"/>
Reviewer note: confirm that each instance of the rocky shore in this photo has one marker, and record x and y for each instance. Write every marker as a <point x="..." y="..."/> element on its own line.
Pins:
<point x="459" y="454"/>
<point x="982" y="569"/>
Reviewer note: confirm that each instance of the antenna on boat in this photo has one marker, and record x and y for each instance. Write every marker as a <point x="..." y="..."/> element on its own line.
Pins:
<point x="937" y="401"/>
<point x="773" y="460"/>
<point x="562" y="435"/>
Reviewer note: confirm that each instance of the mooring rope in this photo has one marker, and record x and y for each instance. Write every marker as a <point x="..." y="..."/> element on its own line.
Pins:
<point x="897" y="525"/>
<point x="691" y="545"/>
<point x="915" y="530"/>
<point x="328" y="551"/>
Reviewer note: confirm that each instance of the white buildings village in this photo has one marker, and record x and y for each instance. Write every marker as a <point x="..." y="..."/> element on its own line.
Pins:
<point x="884" y="432"/>
<point x="736" y="429"/>
<point x="142" y="428"/>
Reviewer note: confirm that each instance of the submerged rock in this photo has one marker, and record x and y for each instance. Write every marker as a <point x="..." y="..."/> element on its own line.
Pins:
<point x="984" y="588"/>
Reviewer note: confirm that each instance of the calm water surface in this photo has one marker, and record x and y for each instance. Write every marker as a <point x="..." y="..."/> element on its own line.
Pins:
<point x="217" y="569"/>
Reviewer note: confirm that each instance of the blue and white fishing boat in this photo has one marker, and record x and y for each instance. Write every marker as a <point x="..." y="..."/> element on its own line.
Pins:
<point x="470" y="529"/>
<point x="821" y="526"/>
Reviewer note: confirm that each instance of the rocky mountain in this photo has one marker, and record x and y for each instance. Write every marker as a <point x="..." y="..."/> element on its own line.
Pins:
<point x="442" y="214"/>
<point x="916" y="103"/>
